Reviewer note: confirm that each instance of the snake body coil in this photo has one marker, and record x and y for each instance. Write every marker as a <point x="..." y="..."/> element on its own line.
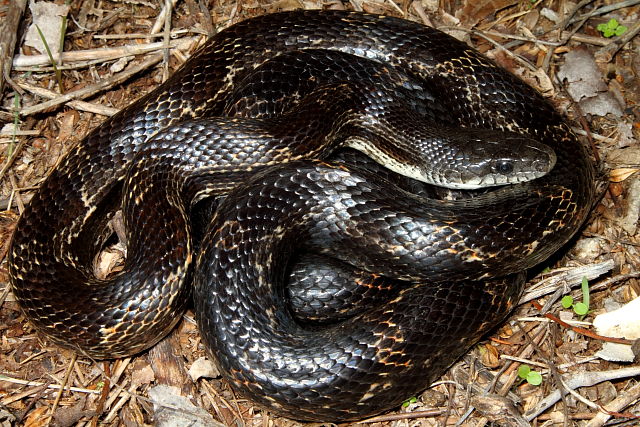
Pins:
<point x="169" y="150"/>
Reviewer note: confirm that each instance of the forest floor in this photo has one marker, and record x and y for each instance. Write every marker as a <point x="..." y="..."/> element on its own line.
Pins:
<point x="113" y="54"/>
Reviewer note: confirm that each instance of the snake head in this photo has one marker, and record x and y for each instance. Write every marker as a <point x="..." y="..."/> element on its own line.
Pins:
<point x="462" y="159"/>
<point x="473" y="159"/>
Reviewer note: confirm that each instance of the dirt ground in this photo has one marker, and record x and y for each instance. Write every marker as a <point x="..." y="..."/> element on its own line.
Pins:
<point x="555" y="45"/>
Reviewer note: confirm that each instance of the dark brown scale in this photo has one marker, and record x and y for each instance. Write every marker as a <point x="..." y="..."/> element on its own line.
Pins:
<point x="345" y="371"/>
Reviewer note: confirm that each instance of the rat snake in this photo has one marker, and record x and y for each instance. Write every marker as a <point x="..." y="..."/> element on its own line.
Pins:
<point x="453" y="267"/>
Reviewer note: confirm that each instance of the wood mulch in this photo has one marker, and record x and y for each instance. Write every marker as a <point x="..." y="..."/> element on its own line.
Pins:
<point x="110" y="58"/>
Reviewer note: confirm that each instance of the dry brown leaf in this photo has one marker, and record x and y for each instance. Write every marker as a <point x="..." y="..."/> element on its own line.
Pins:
<point x="490" y="356"/>
<point x="109" y="261"/>
<point x="585" y="83"/>
<point x="621" y="174"/>
<point x="70" y="415"/>
<point x="203" y="368"/>
<point x="475" y="11"/>
<point x="142" y="375"/>
<point x="37" y="418"/>
<point x="67" y="124"/>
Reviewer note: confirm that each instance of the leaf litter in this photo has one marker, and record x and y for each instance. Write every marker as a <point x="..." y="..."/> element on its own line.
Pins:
<point x="551" y="46"/>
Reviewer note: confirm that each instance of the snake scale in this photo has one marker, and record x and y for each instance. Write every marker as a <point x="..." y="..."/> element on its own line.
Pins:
<point x="453" y="267"/>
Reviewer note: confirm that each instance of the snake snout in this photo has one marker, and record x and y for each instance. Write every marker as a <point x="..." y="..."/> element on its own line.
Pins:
<point x="520" y="159"/>
<point x="537" y="159"/>
<point x="493" y="158"/>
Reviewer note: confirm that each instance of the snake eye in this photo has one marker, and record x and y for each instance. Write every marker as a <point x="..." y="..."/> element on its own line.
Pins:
<point x="504" y="167"/>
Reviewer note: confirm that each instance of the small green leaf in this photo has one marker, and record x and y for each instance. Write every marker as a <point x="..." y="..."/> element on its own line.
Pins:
<point x="409" y="401"/>
<point x="524" y="371"/>
<point x="602" y="27"/>
<point x="567" y="301"/>
<point x="621" y="30"/>
<point x="580" y="308"/>
<point x="534" y="378"/>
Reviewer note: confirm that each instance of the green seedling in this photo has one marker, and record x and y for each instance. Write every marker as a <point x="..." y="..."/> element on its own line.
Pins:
<point x="53" y="61"/>
<point x="532" y="377"/>
<point x="580" y="308"/>
<point x="409" y="401"/>
<point x="612" y="28"/>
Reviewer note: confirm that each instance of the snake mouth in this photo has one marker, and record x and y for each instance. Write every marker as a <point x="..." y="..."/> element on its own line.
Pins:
<point x="537" y="159"/>
<point x="520" y="159"/>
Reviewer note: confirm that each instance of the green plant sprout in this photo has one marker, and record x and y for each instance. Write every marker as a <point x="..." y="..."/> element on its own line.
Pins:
<point x="532" y="377"/>
<point x="611" y="28"/>
<point x="53" y="61"/>
<point x="580" y="308"/>
<point x="409" y="401"/>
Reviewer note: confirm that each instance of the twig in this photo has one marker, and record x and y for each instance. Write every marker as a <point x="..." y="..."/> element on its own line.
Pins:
<point x="595" y="136"/>
<point x="510" y="368"/>
<point x="485" y="35"/>
<point x="13" y="157"/>
<point x="9" y="29"/>
<point x="64" y="384"/>
<point x="625" y="398"/>
<point x="39" y="384"/>
<point x="582" y="331"/>
<point x="103" y="54"/>
<point x="4" y="293"/>
<point x="582" y="379"/>
<point x="94" y="88"/>
<point x="78" y="105"/>
<point x="582" y="38"/>
<point x="566" y="276"/>
<point x="553" y="370"/>
<point x="565" y="38"/>
<point x="606" y="54"/>
<point x="121" y="365"/>
<point x="619" y="278"/>
<point x="608" y="8"/>
<point x="168" y="9"/>
<point x="129" y="36"/>
<point x="567" y="20"/>
<point x="403" y="416"/>
<point x="162" y="16"/>
<point x="234" y="409"/>
<point x="19" y="132"/>
<point x="207" y="19"/>
<point x="123" y="399"/>
<point x="104" y="392"/>
<point x="417" y="6"/>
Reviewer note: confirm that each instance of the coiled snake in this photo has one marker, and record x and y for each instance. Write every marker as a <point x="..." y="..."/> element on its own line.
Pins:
<point x="345" y="369"/>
